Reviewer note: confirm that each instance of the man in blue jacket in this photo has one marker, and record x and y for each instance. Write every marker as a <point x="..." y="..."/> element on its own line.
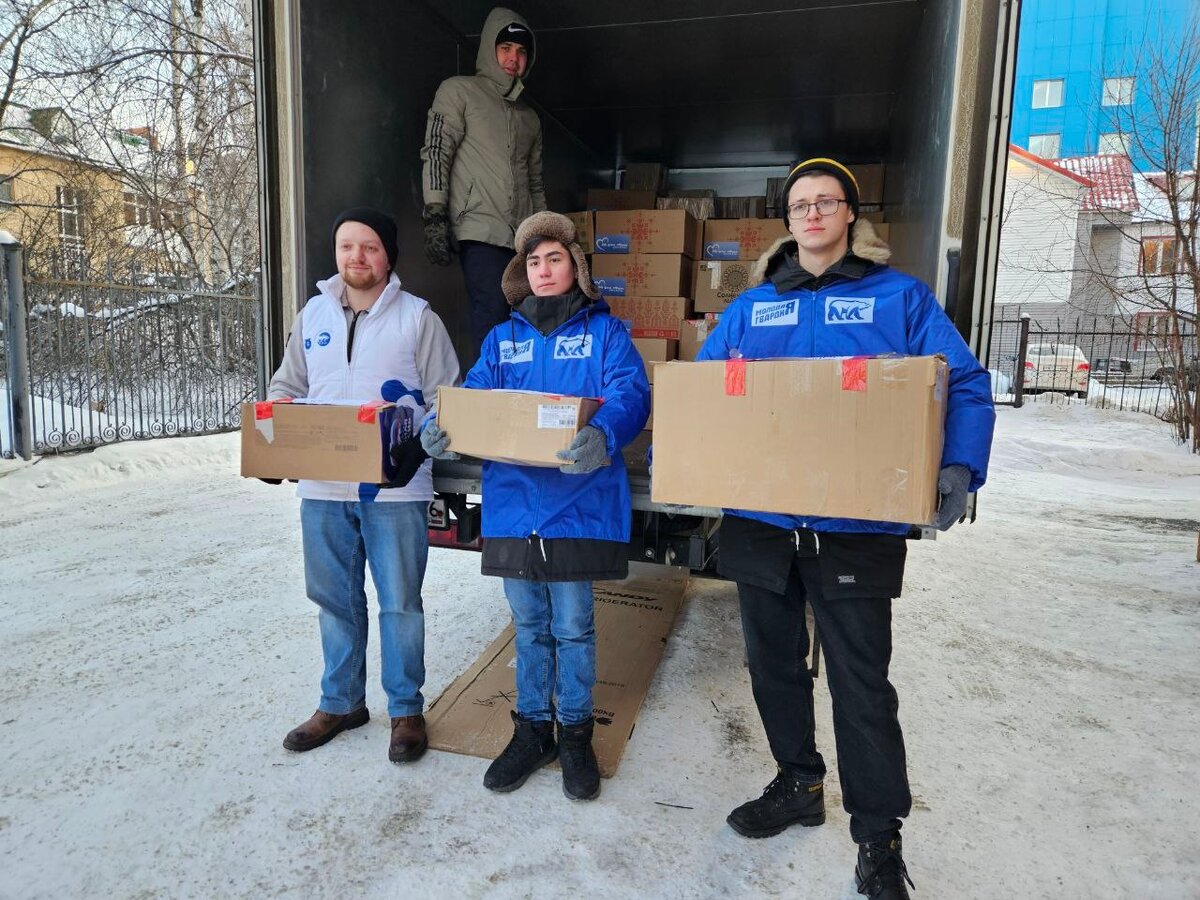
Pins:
<point x="847" y="570"/>
<point x="549" y="533"/>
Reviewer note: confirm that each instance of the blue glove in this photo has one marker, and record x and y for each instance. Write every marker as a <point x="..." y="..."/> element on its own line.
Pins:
<point x="587" y="453"/>
<point x="435" y="441"/>
<point x="953" y="482"/>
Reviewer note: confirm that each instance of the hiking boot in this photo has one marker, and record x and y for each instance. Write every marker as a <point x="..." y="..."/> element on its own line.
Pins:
<point x="409" y="739"/>
<point x="531" y="747"/>
<point x="881" y="873"/>
<point x="581" y="774"/>
<point x="788" y="800"/>
<point x="322" y="728"/>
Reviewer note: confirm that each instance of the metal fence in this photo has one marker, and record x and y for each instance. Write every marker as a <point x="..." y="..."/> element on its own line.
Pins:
<point x="1124" y="367"/>
<point x="109" y="361"/>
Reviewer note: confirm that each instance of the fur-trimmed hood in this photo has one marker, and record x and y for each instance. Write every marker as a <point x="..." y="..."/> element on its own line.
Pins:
<point x="865" y="243"/>
<point x="556" y="227"/>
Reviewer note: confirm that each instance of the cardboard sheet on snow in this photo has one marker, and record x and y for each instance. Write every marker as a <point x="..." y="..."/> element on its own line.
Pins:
<point x="633" y="620"/>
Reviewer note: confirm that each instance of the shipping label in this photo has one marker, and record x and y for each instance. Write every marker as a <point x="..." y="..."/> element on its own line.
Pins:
<point x="557" y="415"/>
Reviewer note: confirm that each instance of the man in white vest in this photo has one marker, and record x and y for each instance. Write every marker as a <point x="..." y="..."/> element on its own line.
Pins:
<point x="362" y="338"/>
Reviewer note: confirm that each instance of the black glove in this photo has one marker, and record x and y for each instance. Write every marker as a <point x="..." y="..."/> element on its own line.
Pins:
<point x="407" y="456"/>
<point x="437" y="233"/>
<point x="953" y="482"/>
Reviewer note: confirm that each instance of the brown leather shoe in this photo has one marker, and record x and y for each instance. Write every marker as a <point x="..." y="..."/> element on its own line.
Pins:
<point x="322" y="728"/>
<point x="409" y="739"/>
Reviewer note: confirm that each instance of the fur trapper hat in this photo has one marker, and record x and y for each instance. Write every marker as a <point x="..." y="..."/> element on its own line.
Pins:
<point x="865" y="243"/>
<point x="556" y="227"/>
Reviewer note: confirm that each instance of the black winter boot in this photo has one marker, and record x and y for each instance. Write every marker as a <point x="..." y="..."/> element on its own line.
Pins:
<point x="581" y="774"/>
<point x="788" y="800"/>
<point x="531" y="747"/>
<point x="881" y="873"/>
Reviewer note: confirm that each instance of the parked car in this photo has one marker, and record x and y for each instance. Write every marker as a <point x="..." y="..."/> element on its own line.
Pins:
<point x="1056" y="367"/>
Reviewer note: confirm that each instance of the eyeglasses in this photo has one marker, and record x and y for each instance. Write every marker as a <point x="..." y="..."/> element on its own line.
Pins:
<point x="825" y="207"/>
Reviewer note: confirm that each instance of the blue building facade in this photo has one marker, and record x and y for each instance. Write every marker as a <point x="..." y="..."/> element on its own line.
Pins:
<point x="1083" y="82"/>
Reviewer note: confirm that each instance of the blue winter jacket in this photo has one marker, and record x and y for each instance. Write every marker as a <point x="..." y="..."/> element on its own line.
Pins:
<point x="589" y="355"/>
<point x="884" y="311"/>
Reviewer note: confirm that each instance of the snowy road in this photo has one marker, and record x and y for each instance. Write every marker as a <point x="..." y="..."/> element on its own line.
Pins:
<point x="156" y="644"/>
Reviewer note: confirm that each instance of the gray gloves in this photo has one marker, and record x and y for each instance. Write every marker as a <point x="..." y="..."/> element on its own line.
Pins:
<point x="435" y="441"/>
<point x="953" y="482"/>
<point x="588" y="452"/>
<point x="437" y="234"/>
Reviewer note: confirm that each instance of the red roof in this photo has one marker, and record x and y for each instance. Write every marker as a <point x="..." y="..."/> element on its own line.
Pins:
<point x="1112" y="181"/>
<point x="1046" y="164"/>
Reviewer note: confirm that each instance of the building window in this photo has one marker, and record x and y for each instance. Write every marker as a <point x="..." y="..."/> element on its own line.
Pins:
<point x="6" y="190"/>
<point x="1117" y="92"/>
<point x="1048" y="93"/>
<point x="136" y="208"/>
<point x="1113" y="144"/>
<point x="70" y="217"/>
<point x="1161" y="256"/>
<point x="1045" y="145"/>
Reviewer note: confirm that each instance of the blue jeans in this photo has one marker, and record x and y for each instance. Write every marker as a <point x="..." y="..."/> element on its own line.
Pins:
<point x="339" y="539"/>
<point x="556" y="648"/>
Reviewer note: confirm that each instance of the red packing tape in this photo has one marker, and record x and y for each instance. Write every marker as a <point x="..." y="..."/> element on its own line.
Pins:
<point x="262" y="409"/>
<point x="735" y="378"/>
<point x="368" y="412"/>
<point x="854" y="374"/>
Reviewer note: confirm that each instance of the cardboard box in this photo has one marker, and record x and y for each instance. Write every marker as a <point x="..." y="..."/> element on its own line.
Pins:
<point x="655" y="350"/>
<point x="648" y="231"/>
<point x="741" y="238"/>
<point x="701" y="208"/>
<point x="692" y="335"/>
<point x="642" y="274"/>
<point x="855" y="438"/>
<point x="870" y="183"/>
<point x="651" y="317"/>
<point x="644" y="177"/>
<point x="884" y="230"/>
<point x="609" y="198"/>
<point x="585" y="231"/>
<point x="322" y="441"/>
<point x="634" y="619"/>
<point x="717" y="282"/>
<point x="741" y="207"/>
<point x="522" y="427"/>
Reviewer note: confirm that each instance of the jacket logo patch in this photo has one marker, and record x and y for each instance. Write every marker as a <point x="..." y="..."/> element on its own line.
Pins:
<point x="846" y="579"/>
<point x="578" y="346"/>
<point x="520" y="352"/>
<point x="849" y="310"/>
<point x="324" y="338"/>
<point x="783" y="312"/>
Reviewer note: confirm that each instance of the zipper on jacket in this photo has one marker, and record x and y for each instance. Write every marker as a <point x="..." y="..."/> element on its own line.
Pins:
<point x="350" y="337"/>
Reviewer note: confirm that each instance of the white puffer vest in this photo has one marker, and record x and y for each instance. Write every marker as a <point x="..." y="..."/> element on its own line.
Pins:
<point x="385" y="341"/>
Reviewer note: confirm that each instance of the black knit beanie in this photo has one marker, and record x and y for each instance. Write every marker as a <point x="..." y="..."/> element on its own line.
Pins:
<point x="516" y="33"/>
<point x="823" y="166"/>
<point x="381" y="223"/>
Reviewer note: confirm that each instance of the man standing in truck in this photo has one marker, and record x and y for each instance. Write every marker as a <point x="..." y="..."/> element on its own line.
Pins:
<point x="849" y="571"/>
<point x="482" y="166"/>
<point x="362" y="338"/>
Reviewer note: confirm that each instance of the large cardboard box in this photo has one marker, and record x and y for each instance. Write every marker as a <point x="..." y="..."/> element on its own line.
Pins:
<point x="870" y="183"/>
<point x="584" y="229"/>
<point x="642" y="274"/>
<point x="741" y="207"/>
<point x="648" y="231"/>
<point x="701" y="208"/>
<point x="634" y="619"/>
<point x="741" y="238"/>
<point x="610" y="198"/>
<point x="322" y="441"/>
<point x="692" y="335"/>
<point x="651" y="317"/>
<point x="855" y="437"/>
<point x="644" y="177"/>
<point x="717" y="282"/>
<point x="522" y="427"/>
<point x="655" y="350"/>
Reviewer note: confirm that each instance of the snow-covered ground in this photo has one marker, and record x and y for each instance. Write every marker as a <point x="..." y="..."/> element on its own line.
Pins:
<point x="155" y="645"/>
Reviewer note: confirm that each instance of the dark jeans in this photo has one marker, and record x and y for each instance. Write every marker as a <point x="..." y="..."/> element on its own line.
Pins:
<point x="483" y="267"/>
<point x="856" y="635"/>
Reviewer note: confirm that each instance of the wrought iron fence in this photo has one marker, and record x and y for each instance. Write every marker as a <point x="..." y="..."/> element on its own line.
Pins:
<point x="114" y="361"/>
<point x="1116" y="365"/>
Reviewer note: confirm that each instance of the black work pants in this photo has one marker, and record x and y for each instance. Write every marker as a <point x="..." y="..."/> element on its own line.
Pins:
<point x="856" y="635"/>
<point x="483" y="268"/>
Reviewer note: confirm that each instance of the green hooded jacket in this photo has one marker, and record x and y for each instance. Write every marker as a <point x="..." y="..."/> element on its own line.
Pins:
<point x="482" y="157"/>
